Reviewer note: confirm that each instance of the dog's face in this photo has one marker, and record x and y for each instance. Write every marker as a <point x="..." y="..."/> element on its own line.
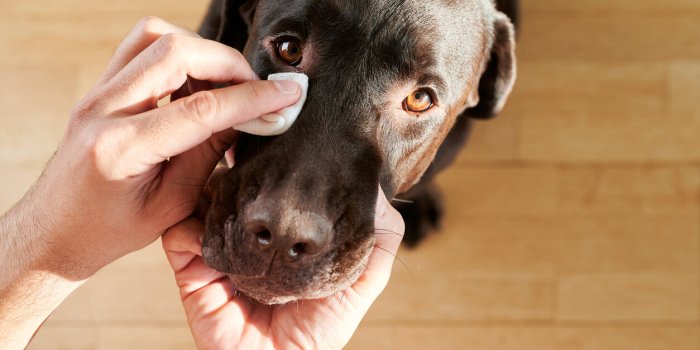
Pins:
<point x="294" y="218"/>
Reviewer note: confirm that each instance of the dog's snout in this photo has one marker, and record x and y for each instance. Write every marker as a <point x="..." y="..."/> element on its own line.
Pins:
<point x="294" y="237"/>
<point x="302" y="210"/>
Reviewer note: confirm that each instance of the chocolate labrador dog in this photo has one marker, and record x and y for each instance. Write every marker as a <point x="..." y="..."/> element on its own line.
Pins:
<point x="393" y="86"/>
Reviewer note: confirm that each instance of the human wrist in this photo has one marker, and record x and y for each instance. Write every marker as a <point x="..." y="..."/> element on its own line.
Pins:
<point x="37" y="232"/>
<point x="16" y="252"/>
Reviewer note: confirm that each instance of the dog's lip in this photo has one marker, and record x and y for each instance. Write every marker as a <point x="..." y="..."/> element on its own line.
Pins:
<point x="265" y="296"/>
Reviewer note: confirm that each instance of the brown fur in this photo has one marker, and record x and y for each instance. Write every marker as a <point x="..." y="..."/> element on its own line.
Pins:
<point x="363" y="57"/>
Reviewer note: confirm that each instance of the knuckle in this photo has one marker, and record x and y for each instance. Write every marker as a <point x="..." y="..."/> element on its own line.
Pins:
<point x="238" y="56"/>
<point x="253" y="93"/>
<point x="201" y="106"/>
<point x="169" y="44"/>
<point x="99" y="144"/>
<point x="85" y="109"/>
<point x="82" y="110"/>
<point x="149" y="24"/>
<point x="106" y="145"/>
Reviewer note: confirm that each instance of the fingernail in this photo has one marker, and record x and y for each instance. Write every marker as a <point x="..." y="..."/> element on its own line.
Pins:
<point x="288" y="87"/>
<point x="273" y="118"/>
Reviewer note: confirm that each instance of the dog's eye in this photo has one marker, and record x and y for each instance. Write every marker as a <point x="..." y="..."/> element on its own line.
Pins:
<point x="418" y="101"/>
<point x="290" y="51"/>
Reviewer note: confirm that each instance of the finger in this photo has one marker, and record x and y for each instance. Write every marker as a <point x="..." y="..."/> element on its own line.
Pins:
<point x="214" y="301"/>
<point x="182" y="125"/>
<point x="191" y="169"/>
<point x="389" y="230"/>
<point x="164" y="66"/>
<point x="194" y="166"/>
<point x="147" y="31"/>
<point x="185" y="177"/>
<point x="197" y="275"/>
<point x="182" y="243"/>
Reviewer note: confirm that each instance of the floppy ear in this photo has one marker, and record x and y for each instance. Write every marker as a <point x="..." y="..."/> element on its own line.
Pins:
<point x="498" y="78"/>
<point x="510" y="8"/>
<point x="227" y="21"/>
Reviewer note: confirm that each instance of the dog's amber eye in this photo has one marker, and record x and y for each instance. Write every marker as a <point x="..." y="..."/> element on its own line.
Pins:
<point x="290" y="51"/>
<point x="418" y="101"/>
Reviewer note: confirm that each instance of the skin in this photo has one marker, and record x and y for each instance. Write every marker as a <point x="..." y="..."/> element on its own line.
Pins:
<point x="127" y="171"/>
<point x="363" y="59"/>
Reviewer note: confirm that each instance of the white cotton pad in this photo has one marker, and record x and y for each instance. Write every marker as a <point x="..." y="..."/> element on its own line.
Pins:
<point x="279" y="122"/>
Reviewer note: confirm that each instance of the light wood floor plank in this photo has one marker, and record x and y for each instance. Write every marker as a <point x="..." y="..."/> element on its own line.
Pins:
<point x="518" y="338"/>
<point x="616" y="39"/>
<point x="607" y="8"/>
<point x="573" y="218"/>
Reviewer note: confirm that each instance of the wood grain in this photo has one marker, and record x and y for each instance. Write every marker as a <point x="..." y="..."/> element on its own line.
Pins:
<point x="573" y="218"/>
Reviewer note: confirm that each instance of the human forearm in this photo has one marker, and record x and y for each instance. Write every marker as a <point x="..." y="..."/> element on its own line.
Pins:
<point x="27" y="303"/>
<point x="29" y="290"/>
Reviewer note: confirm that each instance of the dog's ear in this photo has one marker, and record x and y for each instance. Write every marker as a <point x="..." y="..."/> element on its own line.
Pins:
<point x="227" y="21"/>
<point x="498" y="77"/>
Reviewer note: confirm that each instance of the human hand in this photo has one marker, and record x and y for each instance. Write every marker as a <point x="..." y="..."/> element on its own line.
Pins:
<point x="221" y="318"/>
<point x="128" y="170"/>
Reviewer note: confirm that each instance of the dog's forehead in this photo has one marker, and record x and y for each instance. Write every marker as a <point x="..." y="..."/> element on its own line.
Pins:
<point x="464" y="37"/>
<point x="449" y="38"/>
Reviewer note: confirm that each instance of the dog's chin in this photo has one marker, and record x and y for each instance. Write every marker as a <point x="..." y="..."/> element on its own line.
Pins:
<point x="326" y="284"/>
<point x="260" y="282"/>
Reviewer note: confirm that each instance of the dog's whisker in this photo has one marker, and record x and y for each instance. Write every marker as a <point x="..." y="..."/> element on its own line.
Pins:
<point x="341" y="300"/>
<point x="397" y="258"/>
<point x="345" y="301"/>
<point x="396" y="235"/>
<point x="402" y="201"/>
<point x="343" y="296"/>
<point x="397" y="238"/>
<point x="380" y="231"/>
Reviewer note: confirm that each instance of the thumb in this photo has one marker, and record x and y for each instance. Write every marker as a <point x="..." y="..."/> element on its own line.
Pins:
<point x="179" y="126"/>
<point x="389" y="230"/>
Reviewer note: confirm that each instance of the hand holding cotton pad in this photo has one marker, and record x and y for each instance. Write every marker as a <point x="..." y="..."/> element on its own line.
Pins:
<point x="279" y="122"/>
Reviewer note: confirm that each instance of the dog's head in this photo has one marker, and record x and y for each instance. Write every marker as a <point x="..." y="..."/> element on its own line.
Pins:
<point x="388" y="79"/>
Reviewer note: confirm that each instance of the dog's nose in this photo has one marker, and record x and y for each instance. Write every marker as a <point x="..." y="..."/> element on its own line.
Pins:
<point x="294" y="237"/>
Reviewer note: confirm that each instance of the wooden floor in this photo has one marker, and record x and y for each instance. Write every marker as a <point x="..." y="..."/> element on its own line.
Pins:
<point x="574" y="217"/>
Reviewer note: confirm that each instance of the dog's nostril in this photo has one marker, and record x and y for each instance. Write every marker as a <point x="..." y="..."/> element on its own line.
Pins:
<point x="297" y="250"/>
<point x="297" y="238"/>
<point x="264" y="237"/>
